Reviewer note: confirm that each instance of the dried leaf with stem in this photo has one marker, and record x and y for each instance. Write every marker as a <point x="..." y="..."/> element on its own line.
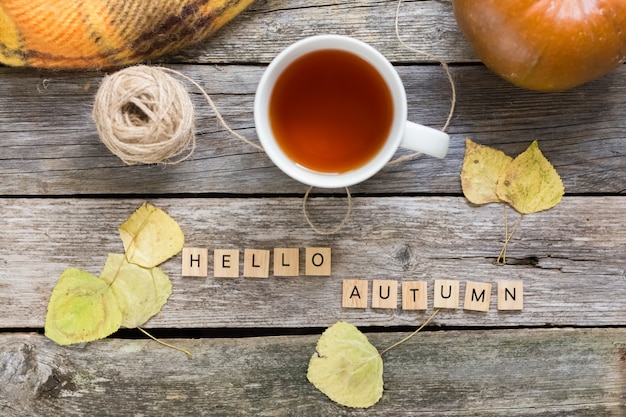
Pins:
<point x="348" y="368"/>
<point x="528" y="183"/>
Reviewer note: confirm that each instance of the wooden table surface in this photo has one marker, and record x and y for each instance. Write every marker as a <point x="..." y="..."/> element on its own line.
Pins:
<point x="63" y="195"/>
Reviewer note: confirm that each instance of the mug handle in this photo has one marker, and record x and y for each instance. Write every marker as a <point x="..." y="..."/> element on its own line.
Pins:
<point x="425" y="139"/>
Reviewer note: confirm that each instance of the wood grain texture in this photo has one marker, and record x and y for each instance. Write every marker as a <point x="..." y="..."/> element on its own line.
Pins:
<point x="268" y="26"/>
<point x="49" y="144"/>
<point x="570" y="258"/>
<point x="457" y="373"/>
<point x="63" y="195"/>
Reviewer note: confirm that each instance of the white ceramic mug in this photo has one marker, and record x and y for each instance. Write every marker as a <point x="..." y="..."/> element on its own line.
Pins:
<point x="402" y="133"/>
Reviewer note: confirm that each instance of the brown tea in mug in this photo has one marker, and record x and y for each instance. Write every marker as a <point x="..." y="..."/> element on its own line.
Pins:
<point x="331" y="111"/>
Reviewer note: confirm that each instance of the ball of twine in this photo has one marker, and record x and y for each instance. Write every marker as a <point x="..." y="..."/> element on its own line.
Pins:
<point x="144" y="115"/>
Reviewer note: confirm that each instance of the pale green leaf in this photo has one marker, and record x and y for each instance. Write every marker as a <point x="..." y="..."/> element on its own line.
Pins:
<point x="347" y="367"/>
<point x="82" y="308"/>
<point x="140" y="292"/>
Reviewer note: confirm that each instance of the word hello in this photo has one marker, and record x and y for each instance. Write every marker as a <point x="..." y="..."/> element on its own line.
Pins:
<point x="446" y="294"/>
<point x="256" y="262"/>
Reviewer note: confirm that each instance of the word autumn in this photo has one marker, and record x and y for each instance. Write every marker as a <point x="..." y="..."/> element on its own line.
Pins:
<point x="256" y="262"/>
<point x="445" y="295"/>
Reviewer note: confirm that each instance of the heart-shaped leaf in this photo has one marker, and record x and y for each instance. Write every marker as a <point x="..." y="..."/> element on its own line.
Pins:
<point x="530" y="183"/>
<point x="347" y="367"/>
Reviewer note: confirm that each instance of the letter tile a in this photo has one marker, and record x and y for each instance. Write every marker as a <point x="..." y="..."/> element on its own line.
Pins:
<point x="354" y="293"/>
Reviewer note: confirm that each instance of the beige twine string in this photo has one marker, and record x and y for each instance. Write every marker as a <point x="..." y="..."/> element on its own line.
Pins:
<point x="334" y="229"/>
<point x="218" y="115"/>
<point x="446" y="68"/>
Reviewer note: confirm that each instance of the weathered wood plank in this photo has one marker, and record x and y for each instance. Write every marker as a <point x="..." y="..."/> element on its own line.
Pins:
<point x="468" y="373"/>
<point x="49" y="144"/>
<point x="571" y="258"/>
<point x="268" y="26"/>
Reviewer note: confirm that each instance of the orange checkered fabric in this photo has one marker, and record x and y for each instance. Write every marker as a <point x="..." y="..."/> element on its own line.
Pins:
<point x="94" y="34"/>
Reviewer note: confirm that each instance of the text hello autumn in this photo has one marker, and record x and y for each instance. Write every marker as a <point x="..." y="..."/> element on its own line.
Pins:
<point x="384" y="294"/>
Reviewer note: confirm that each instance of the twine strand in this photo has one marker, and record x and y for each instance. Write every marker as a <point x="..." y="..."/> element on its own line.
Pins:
<point x="334" y="229"/>
<point x="444" y="64"/>
<point x="217" y="113"/>
<point x="446" y="68"/>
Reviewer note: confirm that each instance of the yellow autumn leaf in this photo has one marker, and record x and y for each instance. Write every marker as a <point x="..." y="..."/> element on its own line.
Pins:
<point x="482" y="166"/>
<point x="530" y="183"/>
<point x="347" y="367"/>
<point x="140" y="292"/>
<point x="150" y="236"/>
<point x="82" y="308"/>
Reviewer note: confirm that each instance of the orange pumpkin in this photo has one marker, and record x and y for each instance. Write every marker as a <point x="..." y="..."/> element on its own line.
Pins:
<point x="546" y="45"/>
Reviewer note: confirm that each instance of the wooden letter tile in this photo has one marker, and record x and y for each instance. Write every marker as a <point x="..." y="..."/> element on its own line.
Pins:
<point x="414" y="295"/>
<point x="256" y="263"/>
<point x="477" y="296"/>
<point x="226" y="263"/>
<point x="510" y="295"/>
<point x="354" y="293"/>
<point x="286" y="262"/>
<point x="317" y="261"/>
<point x="446" y="294"/>
<point x="195" y="262"/>
<point x="385" y="294"/>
